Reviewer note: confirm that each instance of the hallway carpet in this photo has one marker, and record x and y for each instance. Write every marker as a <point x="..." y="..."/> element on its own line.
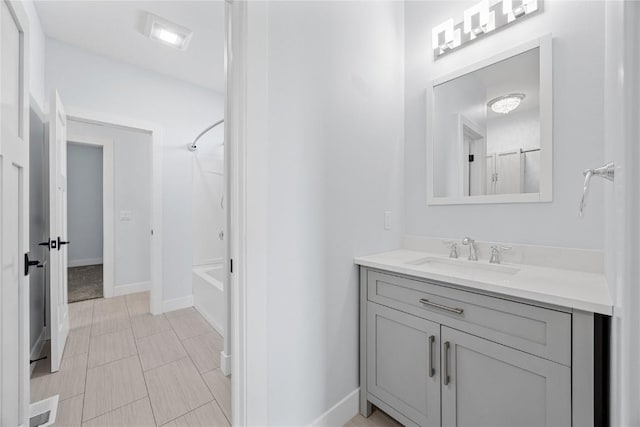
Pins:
<point x="85" y="283"/>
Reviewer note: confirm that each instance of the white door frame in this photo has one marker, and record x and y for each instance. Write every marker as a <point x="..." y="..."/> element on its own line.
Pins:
<point x="245" y="136"/>
<point x="155" y="131"/>
<point x="108" y="228"/>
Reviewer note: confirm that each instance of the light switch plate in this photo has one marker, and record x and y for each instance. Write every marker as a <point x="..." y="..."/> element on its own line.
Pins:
<point x="387" y="220"/>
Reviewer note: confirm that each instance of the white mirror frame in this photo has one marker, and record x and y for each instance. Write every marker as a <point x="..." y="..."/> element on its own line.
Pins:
<point x="544" y="43"/>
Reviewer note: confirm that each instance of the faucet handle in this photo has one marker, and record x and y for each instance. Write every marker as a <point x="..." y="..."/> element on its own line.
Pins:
<point x="454" y="248"/>
<point x="496" y="251"/>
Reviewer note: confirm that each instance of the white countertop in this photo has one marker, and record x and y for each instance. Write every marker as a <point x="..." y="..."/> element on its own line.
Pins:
<point x="566" y="288"/>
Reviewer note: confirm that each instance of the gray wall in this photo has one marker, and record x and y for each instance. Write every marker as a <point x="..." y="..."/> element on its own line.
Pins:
<point x="578" y="127"/>
<point x="84" y="204"/>
<point x="37" y="224"/>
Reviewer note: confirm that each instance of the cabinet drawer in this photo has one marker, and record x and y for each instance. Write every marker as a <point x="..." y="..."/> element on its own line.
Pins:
<point x="536" y="330"/>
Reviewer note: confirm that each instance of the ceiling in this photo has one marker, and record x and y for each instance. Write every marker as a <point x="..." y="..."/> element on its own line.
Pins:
<point x="518" y="74"/>
<point x="116" y="29"/>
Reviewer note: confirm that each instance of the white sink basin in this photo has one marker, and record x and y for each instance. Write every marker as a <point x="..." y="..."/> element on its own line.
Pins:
<point x="464" y="266"/>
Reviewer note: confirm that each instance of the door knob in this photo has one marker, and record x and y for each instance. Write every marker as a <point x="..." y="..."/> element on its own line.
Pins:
<point x="47" y="244"/>
<point x="61" y="242"/>
<point x="29" y="263"/>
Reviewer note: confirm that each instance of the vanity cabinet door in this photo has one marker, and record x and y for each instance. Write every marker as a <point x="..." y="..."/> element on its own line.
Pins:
<point x="496" y="386"/>
<point x="403" y="363"/>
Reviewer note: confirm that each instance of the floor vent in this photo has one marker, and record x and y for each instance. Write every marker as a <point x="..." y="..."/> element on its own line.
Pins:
<point x="43" y="413"/>
<point x="40" y="419"/>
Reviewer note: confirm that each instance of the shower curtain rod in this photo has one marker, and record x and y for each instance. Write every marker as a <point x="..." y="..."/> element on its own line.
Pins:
<point x="192" y="146"/>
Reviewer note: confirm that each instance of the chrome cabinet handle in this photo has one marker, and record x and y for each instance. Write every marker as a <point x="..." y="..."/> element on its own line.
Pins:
<point x="432" y="371"/>
<point x="440" y="306"/>
<point x="446" y="363"/>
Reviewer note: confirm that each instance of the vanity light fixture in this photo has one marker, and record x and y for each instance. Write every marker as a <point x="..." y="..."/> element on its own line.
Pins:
<point x="506" y="103"/>
<point x="521" y="8"/>
<point x="480" y="19"/>
<point x="167" y="32"/>
<point x="445" y="37"/>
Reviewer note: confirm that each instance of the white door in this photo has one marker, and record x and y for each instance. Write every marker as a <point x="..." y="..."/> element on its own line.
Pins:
<point x="14" y="215"/>
<point x="58" y="229"/>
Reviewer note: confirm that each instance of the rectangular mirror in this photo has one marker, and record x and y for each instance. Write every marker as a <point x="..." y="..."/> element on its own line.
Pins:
<point x="489" y="130"/>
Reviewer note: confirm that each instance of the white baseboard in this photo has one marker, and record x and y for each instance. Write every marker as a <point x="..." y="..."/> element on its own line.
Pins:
<point x="131" y="288"/>
<point x="209" y="319"/>
<point x="36" y="350"/>
<point x="225" y="363"/>
<point x="177" y="303"/>
<point x="341" y="412"/>
<point x="83" y="262"/>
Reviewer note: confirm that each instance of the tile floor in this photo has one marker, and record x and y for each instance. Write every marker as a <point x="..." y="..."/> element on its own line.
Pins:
<point x="124" y="367"/>
<point x="376" y="419"/>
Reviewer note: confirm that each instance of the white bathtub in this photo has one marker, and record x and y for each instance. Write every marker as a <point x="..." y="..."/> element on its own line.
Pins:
<point x="209" y="294"/>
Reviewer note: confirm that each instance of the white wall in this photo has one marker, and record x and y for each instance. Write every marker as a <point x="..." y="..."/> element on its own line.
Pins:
<point x="91" y="82"/>
<point x="578" y="31"/>
<point x="84" y="204"/>
<point x="519" y="129"/>
<point x="132" y="194"/>
<point x="334" y="165"/>
<point x="36" y="55"/>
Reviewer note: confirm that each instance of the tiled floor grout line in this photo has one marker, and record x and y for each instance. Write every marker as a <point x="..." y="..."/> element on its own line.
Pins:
<point x="202" y="373"/>
<point x="214" y="397"/>
<point x="199" y="373"/>
<point x="115" y="409"/>
<point x="86" y="372"/>
<point x="193" y="410"/>
<point x="146" y="386"/>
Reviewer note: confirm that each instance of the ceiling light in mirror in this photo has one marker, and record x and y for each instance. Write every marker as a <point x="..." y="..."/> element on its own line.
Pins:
<point x="506" y="103"/>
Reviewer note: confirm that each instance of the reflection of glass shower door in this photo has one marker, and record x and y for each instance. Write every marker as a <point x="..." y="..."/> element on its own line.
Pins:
<point x="508" y="172"/>
<point x="491" y="173"/>
<point x="531" y="173"/>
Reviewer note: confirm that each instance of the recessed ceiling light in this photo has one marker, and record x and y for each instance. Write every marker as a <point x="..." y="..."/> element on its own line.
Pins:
<point x="506" y="103"/>
<point x="167" y="32"/>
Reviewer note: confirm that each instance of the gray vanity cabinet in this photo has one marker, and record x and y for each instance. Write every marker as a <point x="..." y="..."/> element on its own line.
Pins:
<point x="491" y="385"/>
<point x="436" y="355"/>
<point x="403" y="368"/>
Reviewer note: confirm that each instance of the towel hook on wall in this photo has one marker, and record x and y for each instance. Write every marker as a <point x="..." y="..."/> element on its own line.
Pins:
<point x="607" y="172"/>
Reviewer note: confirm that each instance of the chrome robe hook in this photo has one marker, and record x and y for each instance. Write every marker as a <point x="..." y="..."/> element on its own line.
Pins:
<point x="607" y="172"/>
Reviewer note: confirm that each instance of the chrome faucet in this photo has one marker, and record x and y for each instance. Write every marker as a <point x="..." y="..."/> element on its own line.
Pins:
<point x="473" y="256"/>
<point x="496" y="253"/>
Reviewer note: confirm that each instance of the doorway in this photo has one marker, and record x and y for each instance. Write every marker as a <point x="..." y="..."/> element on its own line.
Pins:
<point x="86" y="221"/>
<point x="127" y="187"/>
